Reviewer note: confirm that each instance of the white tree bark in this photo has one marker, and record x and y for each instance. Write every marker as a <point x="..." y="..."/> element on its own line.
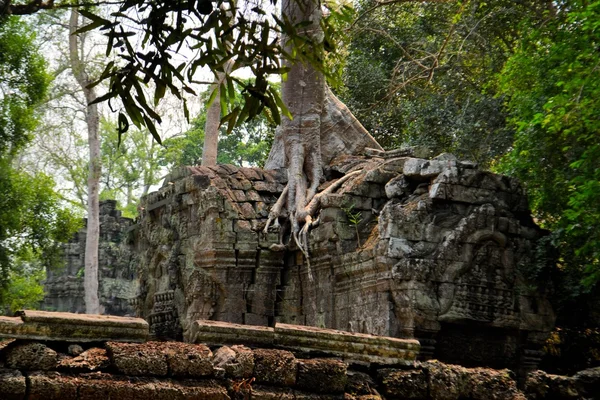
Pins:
<point x="92" y="303"/>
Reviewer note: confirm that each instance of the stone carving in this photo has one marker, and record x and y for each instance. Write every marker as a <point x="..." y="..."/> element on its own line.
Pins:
<point x="435" y="255"/>
<point x="117" y="279"/>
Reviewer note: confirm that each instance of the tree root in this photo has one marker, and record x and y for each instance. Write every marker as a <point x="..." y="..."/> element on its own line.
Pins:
<point x="300" y="233"/>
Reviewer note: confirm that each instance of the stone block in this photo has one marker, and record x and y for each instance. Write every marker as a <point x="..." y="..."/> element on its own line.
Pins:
<point x="31" y="356"/>
<point x="348" y="346"/>
<point x="395" y="165"/>
<point x="253" y="174"/>
<point x="105" y="386"/>
<point x="425" y="169"/>
<point x="252" y="195"/>
<point x="70" y="327"/>
<point x="188" y="360"/>
<point x="146" y="359"/>
<point x="12" y="385"/>
<point x="220" y="333"/>
<point x="94" y="359"/>
<point x="397" y="187"/>
<point x="237" y="361"/>
<point x="409" y="385"/>
<point x="52" y="386"/>
<point x="322" y="375"/>
<point x="275" y="367"/>
<point x="482" y="381"/>
<point x="379" y="175"/>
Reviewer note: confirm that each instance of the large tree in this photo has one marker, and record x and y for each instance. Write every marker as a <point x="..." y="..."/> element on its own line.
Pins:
<point x="92" y="119"/>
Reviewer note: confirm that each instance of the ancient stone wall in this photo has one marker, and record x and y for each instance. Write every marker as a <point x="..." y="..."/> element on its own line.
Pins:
<point x="409" y="247"/>
<point x="116" y="268"/>
<point x="45" y="362"/>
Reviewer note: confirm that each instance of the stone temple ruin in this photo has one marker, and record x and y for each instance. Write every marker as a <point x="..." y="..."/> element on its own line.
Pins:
<point x="116" y="268"/>
<point x="410" y="247"/>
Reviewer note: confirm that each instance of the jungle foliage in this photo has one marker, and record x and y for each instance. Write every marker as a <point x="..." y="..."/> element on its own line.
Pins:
<point x="552" y="86"/>
<point x="32" y="218"/>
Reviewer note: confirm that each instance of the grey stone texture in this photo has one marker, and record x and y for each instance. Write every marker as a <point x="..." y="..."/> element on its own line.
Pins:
<point x="71" y="327"/>
<point x="159" y="370"/>
<point x="116" y="268"/>
<point x="434" y="253"/>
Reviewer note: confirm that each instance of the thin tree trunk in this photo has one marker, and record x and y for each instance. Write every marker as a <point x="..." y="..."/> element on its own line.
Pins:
<point x="92" y="303"/>
<point x="211" y="131"/>
<point x="213" y="115"/>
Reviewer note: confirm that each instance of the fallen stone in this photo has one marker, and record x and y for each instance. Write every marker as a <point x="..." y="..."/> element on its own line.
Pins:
<point x="94" y="359"/>
<point x="69" y="327"/>
<point x="12" y="385"/>
<point x="221" y="333"/>
<point x="188" y="360"/>
<point x="409" y="385"/>
<point x="148" y="359"/>
<point x="322" y="375"/>
<point x="275" y="367"/>
<point x="236" y="361"/>
<point x="75" y="349"/>
<point x="31" y="356"/>
<point x="52" y="386"/>
<point x="347" y="345"/>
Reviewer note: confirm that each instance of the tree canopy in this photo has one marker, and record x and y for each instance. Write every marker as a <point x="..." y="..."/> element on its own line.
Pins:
<point x="552" y="83"/>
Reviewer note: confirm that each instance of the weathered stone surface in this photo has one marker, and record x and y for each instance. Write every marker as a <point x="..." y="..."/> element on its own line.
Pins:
<point x="350" y="346"/>
<point x="361" y="385"/>
<point x="12" y="385"/>
<point x="275" y="367"/>
<point x="148" y="359"/>
<point x="31" y="356"/>
<point x="322" y="375"/>
<point x="410" y="385"/>
<point x="274" y="393"/>
<point x="237" y="361"/>
<point x="74" y="349"/>
<point x="583" y="385"/>
<point x="116" y="265"/>
<point x="94" y="359"/>
<point x="433" y="253"/>
<point x="71" y="327"/>
<point x="188" y="360"/>
<point x="51" y="386"/>
<point x="215" y="332"/>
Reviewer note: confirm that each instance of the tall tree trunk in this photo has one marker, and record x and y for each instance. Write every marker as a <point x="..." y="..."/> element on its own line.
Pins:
<point x="322" y="127"/>
<point x="213" y="114"/>
<point x="211" y="130"/>
<point x="92" y="303"/>
<point x="303" y="94"/>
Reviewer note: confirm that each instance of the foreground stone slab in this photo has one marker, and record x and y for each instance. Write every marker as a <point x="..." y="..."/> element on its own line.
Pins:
<point x="69" y="327"/>
<point x="218" y="332"/>
<point x="347" y="345"/>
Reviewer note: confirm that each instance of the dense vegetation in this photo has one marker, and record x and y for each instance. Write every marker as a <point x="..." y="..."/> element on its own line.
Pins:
<point x="32" y="218"/>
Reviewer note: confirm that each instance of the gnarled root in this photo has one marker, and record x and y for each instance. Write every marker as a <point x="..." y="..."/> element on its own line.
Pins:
<point x="302" y="218"/>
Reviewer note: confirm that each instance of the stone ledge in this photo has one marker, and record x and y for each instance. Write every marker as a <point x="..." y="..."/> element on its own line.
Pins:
<point x="349" y="346"/>
<point x="69" y="327"/>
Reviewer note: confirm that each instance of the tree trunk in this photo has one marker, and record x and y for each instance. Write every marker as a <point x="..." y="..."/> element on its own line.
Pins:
<point x="322" y="127"/>
<point x="211" y="131"/>
<point x="213" y="114"/>
<point x="92" y="303"/>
